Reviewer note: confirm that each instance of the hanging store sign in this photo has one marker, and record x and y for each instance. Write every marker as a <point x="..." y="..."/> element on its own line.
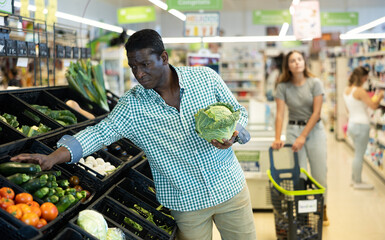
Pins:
<point x="39" y="13"/>
<point x="271" y="17"/>
<point x="6" y="6"/>
<point x="52" y="9"/>
<point x="339" y="18"/>
<point x="201" y="25"/>
<point x="24" y="8"/>
<point x="136" y="14"/>
<point x="194" y="5"/>
<point x="306" y="20"/>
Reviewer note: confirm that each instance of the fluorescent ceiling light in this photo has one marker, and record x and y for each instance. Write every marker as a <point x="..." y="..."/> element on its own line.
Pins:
<point x="362" y="36"/>
<point x="284" y="28"/>
<point x="367" y="26"/>
<point x="295" y="2"/>
<point x="249" y="39"/>
<point x="177" y="14"/>
<point x="291" y="10"/>
<point x="182" y="40"/>
<point x="160" y="4"/>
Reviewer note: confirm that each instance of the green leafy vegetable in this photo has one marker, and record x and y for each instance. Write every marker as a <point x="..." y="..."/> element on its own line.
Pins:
<point x="94" y="223"/>
<point x="115" y="234"/>
<point x="217" y="121"/>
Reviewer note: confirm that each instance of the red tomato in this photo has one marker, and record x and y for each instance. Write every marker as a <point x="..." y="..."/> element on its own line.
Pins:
<point x="23" y="198"/>
<point x="24" y="208"/>
<point x="30" y="219"/>
<point x="33" y="204"/>
<point x="48" y="211"/>
<point x="7" y="192"/>
<point x="15" y="211"/>
<point x="41" y="223"/>
<point x="5" y="202"/>
<point x="36" y="210"/>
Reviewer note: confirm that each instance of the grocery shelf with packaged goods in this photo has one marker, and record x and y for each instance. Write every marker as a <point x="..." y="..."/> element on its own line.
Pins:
<point x="371" y="54"/>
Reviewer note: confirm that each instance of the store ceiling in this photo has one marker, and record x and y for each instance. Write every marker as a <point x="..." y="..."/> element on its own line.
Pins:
<point x="243" y="5"/>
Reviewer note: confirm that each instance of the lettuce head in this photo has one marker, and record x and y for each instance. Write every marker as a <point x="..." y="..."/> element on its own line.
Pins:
<point x="217" y="121"/>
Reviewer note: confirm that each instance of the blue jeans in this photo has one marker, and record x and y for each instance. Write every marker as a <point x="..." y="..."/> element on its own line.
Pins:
<point x="360" y="136"/>
<point x="314" y="150"/>
<point x="233" y="219"/>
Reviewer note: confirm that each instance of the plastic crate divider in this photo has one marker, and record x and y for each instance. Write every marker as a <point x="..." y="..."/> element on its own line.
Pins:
<point x="143" y="167"/>
<point x="25" y="114"/>
<point x="115" y="212"/>
<point x="45" y="99"/>
<point x="69" y="233"/>
<point x="9" y="134"/>
<point x="128" y="200"/>
<point x="123" y="148"/>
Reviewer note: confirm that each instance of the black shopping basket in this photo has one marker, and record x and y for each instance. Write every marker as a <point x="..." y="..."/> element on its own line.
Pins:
<point x="297" y="203"/>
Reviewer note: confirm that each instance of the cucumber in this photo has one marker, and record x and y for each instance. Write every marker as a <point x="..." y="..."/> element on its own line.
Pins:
<point x="10" y="168"/>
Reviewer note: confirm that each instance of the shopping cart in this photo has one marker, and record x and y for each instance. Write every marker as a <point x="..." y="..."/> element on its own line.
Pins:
<point x="297" y="203"/>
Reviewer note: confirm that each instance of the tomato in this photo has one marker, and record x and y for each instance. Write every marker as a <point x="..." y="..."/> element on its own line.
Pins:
<point x="24" y="208"/>
<point x="74" y="180"/>
<point x="41" y="223"/>
<point x="36" y="210"/>
<point x="5" y="202"/>
<point x="88" y="194"/>
<point x="78" y="188"/>
<point x="23" y="198"/>
<point x="30" y="219"/>
<point x="48" y="211"/>
<point x="15" y="211"/>
<point x="7" y="192"/>
<point x="33" y="204"/>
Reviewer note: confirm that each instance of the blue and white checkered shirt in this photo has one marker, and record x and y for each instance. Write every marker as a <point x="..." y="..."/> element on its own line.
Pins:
<point x="189" y="172"/>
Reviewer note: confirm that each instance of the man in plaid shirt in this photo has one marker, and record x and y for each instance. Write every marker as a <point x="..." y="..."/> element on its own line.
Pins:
<point x="200" y="182"/>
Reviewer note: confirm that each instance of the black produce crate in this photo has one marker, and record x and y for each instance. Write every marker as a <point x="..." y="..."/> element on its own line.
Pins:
<point x="8" y="134"/>
<point x="11" y="227"/>
<point x="25" y="114"/>
<point x="69" y="233"/>
<point x="144" y="168"/>
<point x="116" y="213"/>
<point x="111" y="224"/>
<point x="66" y="93"/>
<point x="43" y="98"/>
<point x="33" y="146"/>
<point x="127" y="200"/>
<point x="112" y="99"/>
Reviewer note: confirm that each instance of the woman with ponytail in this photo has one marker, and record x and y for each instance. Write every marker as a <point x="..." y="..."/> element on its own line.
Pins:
<point x="357" y="101"/>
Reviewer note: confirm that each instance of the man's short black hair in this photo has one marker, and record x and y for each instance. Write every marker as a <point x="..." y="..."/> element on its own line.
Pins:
<point x="146" y="38"/>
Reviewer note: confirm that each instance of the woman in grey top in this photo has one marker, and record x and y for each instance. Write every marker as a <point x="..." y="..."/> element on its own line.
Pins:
<point x="303" y="95"/>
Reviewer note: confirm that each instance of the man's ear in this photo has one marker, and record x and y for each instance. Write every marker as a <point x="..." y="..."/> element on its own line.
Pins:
<point x="164" y="57"/>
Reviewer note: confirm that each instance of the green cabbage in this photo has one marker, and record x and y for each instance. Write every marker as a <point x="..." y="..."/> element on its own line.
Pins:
<point x="94" y="223"/>
<point x="217" y="121"/>
<point x="115" y="234"/>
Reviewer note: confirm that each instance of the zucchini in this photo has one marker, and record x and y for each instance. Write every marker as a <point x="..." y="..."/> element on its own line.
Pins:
<point x="35" y="184"/>
<point x="10" y="168"/>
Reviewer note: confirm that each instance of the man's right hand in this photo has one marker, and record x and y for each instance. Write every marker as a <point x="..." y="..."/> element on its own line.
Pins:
<point x="277" y="144"/>
<point x="46" y="162"/>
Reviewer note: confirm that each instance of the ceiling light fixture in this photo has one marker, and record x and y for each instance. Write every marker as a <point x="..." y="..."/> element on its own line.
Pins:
<point x="362" y="36"/>
<point x="160" y="4"/>
<point x="178" y="14"/>
<point x="284" y="28"/>
<point x="367" y="26"/>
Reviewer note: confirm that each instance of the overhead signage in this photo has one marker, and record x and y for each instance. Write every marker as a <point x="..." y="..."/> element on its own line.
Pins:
<point x="195" y="5"/>
<point x="51" y="15"/>
<point x="136" y="14"/>
<point x="339" y="18"/>
<point x="24" y="8"/>
<point x="306" y="20"/>
<point x="201" y="25"/>
<point x="271" y="17"/>
<point x="6" y="6"/>
<point x="39" y="13"/>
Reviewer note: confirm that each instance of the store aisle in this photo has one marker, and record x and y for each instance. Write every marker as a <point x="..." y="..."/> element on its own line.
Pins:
<point x="353" y="214"/>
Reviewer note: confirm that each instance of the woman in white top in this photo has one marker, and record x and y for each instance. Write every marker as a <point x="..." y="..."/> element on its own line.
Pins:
<point x="357" y="102"/>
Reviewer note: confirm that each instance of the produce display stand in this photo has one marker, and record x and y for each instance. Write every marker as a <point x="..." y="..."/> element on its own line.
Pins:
<point x="297" y="203"/>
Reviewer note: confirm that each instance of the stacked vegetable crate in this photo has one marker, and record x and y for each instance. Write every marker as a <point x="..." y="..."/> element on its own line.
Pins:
<point x="131" y="205"/>
<point x="33" y="146"/>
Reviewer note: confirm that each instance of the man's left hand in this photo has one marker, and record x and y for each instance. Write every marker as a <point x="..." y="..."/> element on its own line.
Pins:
<point x="226" y="143"/>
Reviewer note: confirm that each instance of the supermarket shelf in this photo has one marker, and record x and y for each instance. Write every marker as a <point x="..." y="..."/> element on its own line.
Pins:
<point x="370" y="54"/>
<point x="378" y="170"/>
<point x="241" y="79"/>
<point x="380" y="85"/>
<point x="244" y="89"/>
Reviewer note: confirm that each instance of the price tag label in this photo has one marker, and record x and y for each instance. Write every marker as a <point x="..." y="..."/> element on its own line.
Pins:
<point x="88" y="52"/>
<point x="43" y="50"/>
<point x="66" y="62"/>
<point x="307" y="206"/>
<point x="68" y="52"/>
<point x="21" y="49"/>
<point x="75" y="51"/>
<point x="60" y="51"/>
<point x="2" y="47"/>
<point x="22" y="62"/>
<point x="31" y="49"/>
<point x="83" y="53"/>
<point x="10" y="47"/>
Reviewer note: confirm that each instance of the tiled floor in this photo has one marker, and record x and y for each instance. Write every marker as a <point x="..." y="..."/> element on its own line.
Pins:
<point x="353" y="214"/>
